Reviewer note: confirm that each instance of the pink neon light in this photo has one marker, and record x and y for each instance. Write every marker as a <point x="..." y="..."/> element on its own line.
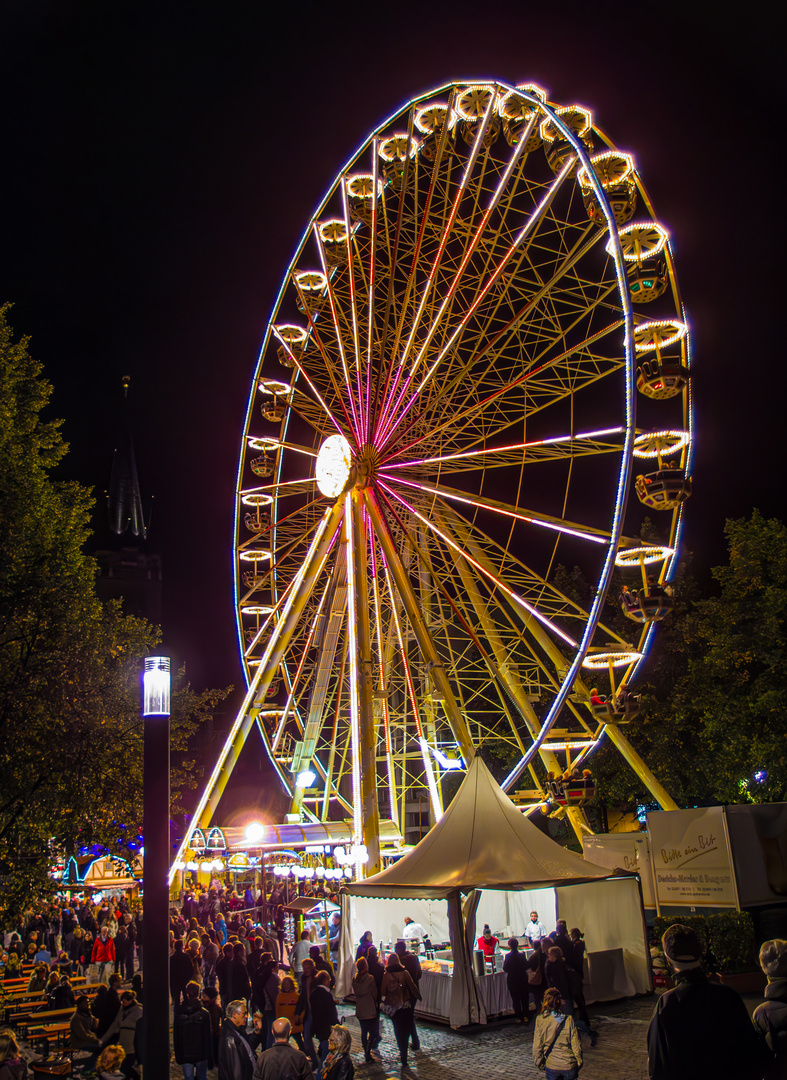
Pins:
<point x="473" y="244"/>
<point x="504" y="449"/>
<point x="364" y="421"/>
<point x="345" y="370"/>
<point x="312" y="387"/>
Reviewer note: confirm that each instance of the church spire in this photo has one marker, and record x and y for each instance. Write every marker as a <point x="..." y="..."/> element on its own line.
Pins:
<point x="124" y="502"/>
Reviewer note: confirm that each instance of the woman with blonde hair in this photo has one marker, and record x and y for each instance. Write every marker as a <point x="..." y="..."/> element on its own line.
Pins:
<point x="556" y="1045"/>
<point x="338" y="1064"/>
<point x="12" y="1065"/>
<point x="109" y="1062"/>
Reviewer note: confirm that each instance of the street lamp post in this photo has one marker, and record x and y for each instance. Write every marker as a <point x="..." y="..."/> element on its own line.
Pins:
<point x="156" y="712"/>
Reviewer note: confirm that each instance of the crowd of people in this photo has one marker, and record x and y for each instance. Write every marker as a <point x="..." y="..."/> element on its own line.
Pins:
<point x="241" y="997"/>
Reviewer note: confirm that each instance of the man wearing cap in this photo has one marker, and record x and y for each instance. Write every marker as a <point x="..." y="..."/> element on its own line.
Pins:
<point x="699" y="1028"/>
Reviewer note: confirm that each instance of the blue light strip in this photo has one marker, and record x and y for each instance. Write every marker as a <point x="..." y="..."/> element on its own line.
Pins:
<point x="624" y="477"/>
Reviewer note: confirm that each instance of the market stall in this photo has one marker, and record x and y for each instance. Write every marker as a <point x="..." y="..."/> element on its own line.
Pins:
<point x="485" y="862"/>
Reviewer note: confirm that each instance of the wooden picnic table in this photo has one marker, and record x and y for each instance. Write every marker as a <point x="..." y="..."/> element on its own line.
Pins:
<point x="47" y="1032"/>
<point x="18" y="1009"/>
<point x="17" y="986"/>
<point x="36" y="1020"/>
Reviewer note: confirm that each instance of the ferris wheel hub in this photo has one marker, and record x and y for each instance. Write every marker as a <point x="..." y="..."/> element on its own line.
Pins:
<point x="366" y="464"/>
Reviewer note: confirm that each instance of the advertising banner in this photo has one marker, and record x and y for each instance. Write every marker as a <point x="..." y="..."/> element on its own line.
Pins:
<point x="691" y="858"/>
<point x="623" y="851"/>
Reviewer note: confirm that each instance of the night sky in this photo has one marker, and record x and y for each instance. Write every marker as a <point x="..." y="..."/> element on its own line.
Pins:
<point x="160" y="162"/>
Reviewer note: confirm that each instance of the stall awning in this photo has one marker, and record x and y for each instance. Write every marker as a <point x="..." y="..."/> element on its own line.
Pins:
<point x="304" y="833"/>
<point x="482" y="842"/>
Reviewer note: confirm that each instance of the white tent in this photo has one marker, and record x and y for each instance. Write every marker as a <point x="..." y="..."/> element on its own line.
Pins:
<point x="482" y="843"/>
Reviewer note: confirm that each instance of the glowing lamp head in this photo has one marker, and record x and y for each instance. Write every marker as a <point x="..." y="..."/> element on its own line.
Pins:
<point x="334" y="462"/>
<point x="254" y="832"/>
<point x="156" y="686"/>
<point x="305" y="779"/>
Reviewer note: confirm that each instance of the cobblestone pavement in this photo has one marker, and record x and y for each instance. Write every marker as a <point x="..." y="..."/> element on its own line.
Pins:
<point x="504" y="1050"/>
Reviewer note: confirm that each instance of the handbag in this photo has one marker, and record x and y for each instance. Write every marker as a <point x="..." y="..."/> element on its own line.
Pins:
<point x="389" y="1010"/>
<point x="535" y="976"/>
<point x="551" y="1046"/>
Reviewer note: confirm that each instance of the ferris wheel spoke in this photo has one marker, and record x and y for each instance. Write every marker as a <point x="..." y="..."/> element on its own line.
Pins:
<point x="452" y="288"/>
<point x="444" y="400"/>
<point x="498" y="582"/>
<point x="411" y="274"/>
<point x="402" y="408"/>
<point x="358" y="411"/>
<point x="470" y="413"/>
<point x="518" y="513"/>
<point x="519" y="243"/>
<point x="432" y="275"/>
<point x="414" y="705"/>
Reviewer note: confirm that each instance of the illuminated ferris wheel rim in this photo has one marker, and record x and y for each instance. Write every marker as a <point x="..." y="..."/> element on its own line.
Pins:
<point x="589" y="178"/>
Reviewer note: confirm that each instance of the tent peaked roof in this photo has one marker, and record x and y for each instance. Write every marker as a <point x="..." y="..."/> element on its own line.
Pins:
<point x="482" y="841"/>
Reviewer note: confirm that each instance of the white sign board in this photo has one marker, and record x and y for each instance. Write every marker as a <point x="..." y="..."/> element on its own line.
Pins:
<point x="623" y="851"/>
<point x="691" y="858"/>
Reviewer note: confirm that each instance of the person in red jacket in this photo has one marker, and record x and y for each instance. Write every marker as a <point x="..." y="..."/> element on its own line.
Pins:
<point x="103" y="952"/>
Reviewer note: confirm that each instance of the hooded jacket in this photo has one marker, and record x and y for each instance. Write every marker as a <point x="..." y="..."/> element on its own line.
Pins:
<point x="191" y="1034"/>
<point x="770" y="1018"/>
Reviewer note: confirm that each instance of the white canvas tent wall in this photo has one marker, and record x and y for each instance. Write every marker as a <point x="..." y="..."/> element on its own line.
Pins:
<point x="483" y="842"/>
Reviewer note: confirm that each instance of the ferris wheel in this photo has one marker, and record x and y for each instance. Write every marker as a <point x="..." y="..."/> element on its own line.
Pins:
<point x="477" y="361"/>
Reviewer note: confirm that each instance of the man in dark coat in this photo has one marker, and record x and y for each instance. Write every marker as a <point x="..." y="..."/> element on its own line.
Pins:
<point x="321" y="964"/>
<point x="699" y="1028"/>
<point x="323" y="1014"/>
<point x="181" y="971"/>
<point x="236" y="1047"/>
<point x="516" y="968"/>
<point x="191" y="1036"/>
<point x="412" y="966"/>
<point x="282" y="1061"/>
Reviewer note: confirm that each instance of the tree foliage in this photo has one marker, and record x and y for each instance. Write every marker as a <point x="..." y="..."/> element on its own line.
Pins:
<point x="713" y="723"/>
<point x="71" y="769"/>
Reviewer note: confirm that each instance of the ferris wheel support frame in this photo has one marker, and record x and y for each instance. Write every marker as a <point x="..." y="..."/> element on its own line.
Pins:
<point x="624" y="747"/>
<point x="427" y="646"/>
<point x="619" y="740"/>
<point x="367" y="735"/>
<point x="255" y="696"/>
<point x="575" y="814"/>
